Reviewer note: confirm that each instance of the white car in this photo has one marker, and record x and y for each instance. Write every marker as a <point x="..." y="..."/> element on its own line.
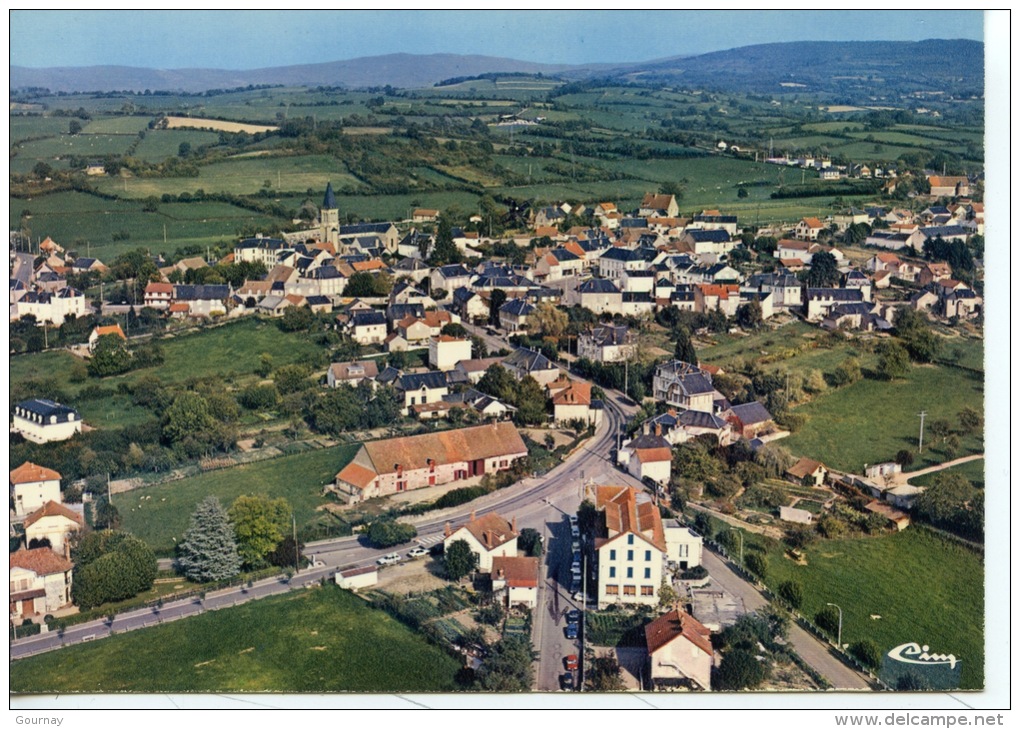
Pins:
<point x="574" y="531"/>
<point x="391" y="558"/>
<point x="417" y="552"/>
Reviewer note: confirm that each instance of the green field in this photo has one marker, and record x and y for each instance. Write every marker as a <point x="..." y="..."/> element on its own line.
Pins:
<point x="310" y="641"/>
<point x="870" y="420"/>
<point x="230" y="353"/>
<point x="160" y="514"/>
<point x="67" y="217"/>
<point x="894" y="577"/>
<point x="162" y="143"/>
<point x="117" y="125"/>
<point x="242" y="177"/>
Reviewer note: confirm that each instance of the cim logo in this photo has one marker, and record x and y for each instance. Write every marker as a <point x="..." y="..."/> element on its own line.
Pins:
<point x="914" y="653"/>
<point x="913" y="666"/>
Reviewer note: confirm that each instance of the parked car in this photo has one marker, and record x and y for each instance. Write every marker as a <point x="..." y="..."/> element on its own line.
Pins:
<point x="567" y="681"/>
<point x="570" y="662"/>
<point x="578" y="596"/>
<point x="573" y="519"/>
<point x="573" y="616"/>
<point x="574" y="531"/>
<point x="575" y="546"/>
<point x="417" y="552"/>
<point x="571" y="631"/>
<point x="391" y="558"/>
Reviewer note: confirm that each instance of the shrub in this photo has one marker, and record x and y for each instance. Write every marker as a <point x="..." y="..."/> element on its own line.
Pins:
<point x="828" y="619"/>
<point x="740" y="669"/>
<point x="698" y="572"/>
<point x="388" y="533"/>
<point x="791" y="592"/>
<point x="757" y="563"/>
<point x="867" y="652"/>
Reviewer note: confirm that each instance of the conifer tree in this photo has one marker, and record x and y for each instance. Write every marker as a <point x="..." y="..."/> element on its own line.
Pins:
<point x="209" y="550"/>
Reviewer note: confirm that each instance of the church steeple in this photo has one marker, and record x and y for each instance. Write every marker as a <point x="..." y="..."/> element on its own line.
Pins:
<point x="329" y="217"/>
<point x="329" y="201"/>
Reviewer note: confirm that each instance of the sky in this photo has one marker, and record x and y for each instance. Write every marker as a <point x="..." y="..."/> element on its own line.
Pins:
<point x="259" y="39"/>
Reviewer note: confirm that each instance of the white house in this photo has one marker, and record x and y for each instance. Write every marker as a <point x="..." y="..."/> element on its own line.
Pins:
<point x="607" y="343"/>
<point x="632" y="552"/>
<point x="40" y="582"/>
<point x="53" y="522"/>
<point x="352" y="373"/>
<point x="683" y="544"/>
<point x="680" y="653"/>
<point x="518" y="576"/>
<point x="446" y="351"/>
<point x="489" y="536"/>
<point x="33" y="486"/>
<point x="44" y="421"/>
<point x="647" y="456"/>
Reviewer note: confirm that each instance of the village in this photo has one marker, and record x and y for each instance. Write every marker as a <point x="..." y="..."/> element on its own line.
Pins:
<point x="476" y="339"/>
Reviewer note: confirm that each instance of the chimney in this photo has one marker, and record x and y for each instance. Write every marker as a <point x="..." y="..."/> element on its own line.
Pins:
<point x="658" y="429"/>
<point x="500" y="574"/>
<point x="513" y="524"/>
<point x="447" y="531"/>
<point x="472" y="515"/>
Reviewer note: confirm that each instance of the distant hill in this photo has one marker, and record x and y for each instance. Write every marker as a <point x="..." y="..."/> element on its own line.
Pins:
<point x="402" y="70"/>
<point x="835" y="67"/>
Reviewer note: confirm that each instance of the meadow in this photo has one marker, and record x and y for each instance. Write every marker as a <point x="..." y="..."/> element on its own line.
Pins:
<point x="894" y="577"/>
<point x="160" y="514"/>
<point x="320" y="640"/>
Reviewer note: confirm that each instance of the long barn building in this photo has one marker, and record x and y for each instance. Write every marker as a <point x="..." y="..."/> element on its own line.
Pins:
<point x="385" y="467"/>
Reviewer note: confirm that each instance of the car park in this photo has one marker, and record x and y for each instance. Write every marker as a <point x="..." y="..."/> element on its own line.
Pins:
<point x="391" y="558"/>
<point x="417" y="552"/>
<point x="570" y="662"/>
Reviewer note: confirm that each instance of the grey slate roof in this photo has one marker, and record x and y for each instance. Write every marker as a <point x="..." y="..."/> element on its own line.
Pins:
<point x="751" y="413"/>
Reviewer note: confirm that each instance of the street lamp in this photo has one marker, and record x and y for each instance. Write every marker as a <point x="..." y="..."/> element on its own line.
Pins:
<point x="740" y="534"/>
<point x="839" y="629"/>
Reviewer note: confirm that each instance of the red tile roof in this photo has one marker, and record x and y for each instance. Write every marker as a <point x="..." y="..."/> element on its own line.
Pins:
<point x="517" y="571"/>
<point x="624" y="514"/>
<point x="672" y="625"/>
<point x="29" y="472"/>
<point x="491" y="530"/>
<point x="356" y="475"/>
<point x="577" y="393"/>
<point x="804" y="467"/>
<point x="52" y="508"/>
<point x="42" y="561"/>
<point x="112" y="329"/>
<point x="653" y="455"/>
<point x="159" y="288"/>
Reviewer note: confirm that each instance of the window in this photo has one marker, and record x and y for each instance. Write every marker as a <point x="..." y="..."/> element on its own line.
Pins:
<point x="683" y="550"/>
<point x="648" y="573"/>
<point x="647" y="591"/>
<point x="612" y="572"/>
<point x="630" y="555"/>
<point x="612" y="589"/>
<point x="612" y="554"/>
<point x="648" y="555"/>
<point x="630" y="572"/>
<point x="629" y="590"/>
<point x="630" y="539"/>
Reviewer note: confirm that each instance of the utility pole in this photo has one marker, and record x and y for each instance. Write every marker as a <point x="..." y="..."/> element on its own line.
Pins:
<point x="584" y="605"/>
<point x="920" y="438"/>
<point x="297" y="552"/>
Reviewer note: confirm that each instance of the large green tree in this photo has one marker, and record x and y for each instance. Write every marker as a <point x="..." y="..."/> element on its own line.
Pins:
<point x="109" y="357"/>
<point x="893" y="361"/>
<point x="824" y="270"/>
<point x="111" y="566"/>
<point x="209" y="549"/>
<point x="459" y="560"/>
<point x="260" y="524"/>
<point x="684" y="350"/>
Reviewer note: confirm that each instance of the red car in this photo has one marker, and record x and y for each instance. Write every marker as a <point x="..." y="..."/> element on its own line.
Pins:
<point x="570" y="662"/>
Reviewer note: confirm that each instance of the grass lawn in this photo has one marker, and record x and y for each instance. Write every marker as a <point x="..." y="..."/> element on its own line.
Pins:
<point x="160" y="514"/>
<point x="319" y="640"/>
<point x="926" y="590"/>
<point x="973" y="471"/>
<point x="870" y="420"/>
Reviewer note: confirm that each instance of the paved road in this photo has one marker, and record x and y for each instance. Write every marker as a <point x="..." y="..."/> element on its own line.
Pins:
<point x="814" y="652"/>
